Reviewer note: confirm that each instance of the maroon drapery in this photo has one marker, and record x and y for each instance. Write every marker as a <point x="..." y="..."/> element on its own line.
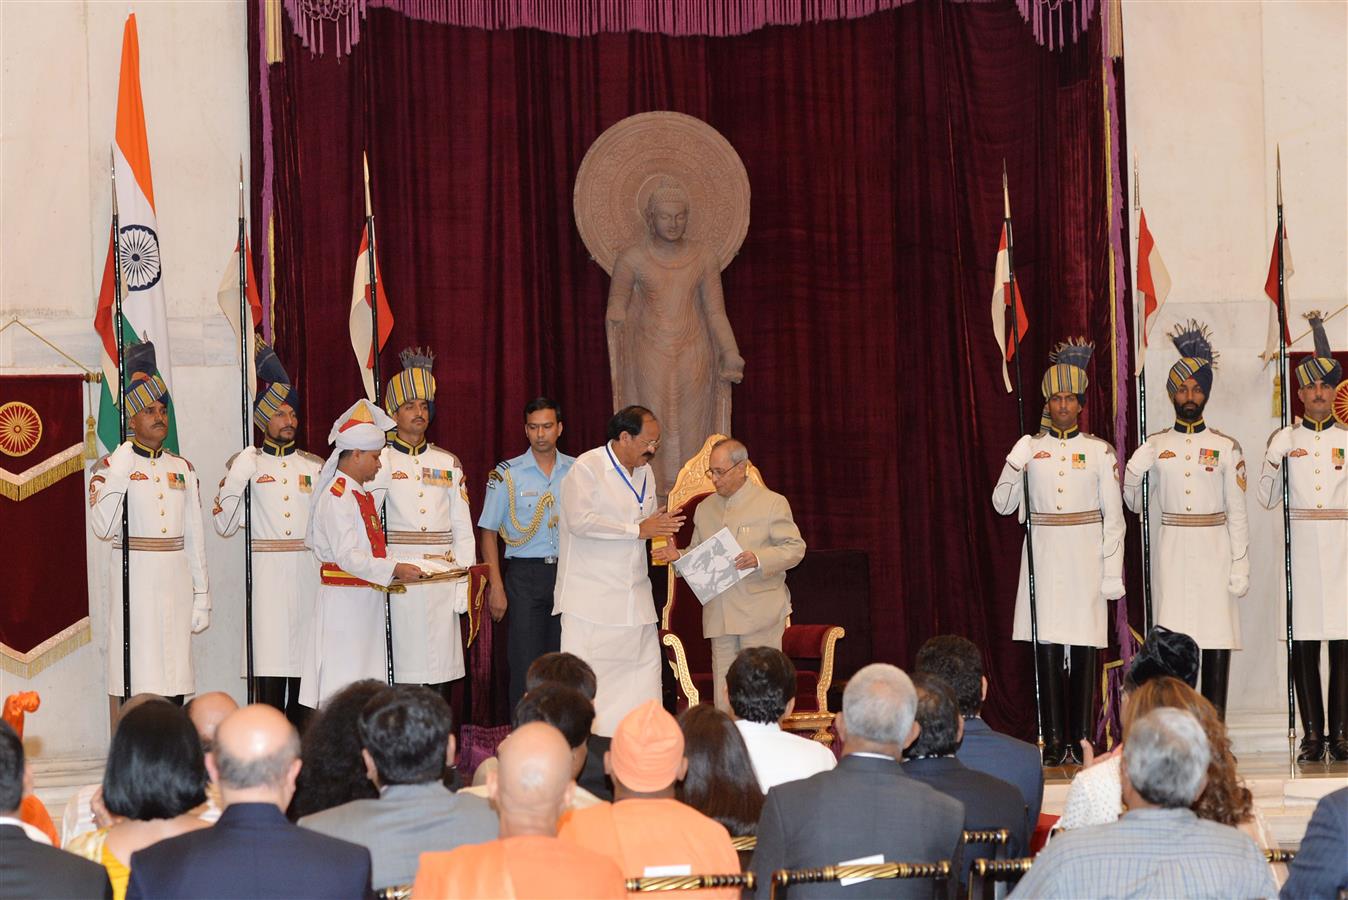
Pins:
<point x="860" y="298"/>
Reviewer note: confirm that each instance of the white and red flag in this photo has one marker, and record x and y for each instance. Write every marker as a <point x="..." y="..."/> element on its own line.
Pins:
<point x="1002" y="288"/>
<point x="362" y="328"/>
<point x="1282" y="245"/>
<point x="227" y="296"/>
<point x="1153" y="282"/>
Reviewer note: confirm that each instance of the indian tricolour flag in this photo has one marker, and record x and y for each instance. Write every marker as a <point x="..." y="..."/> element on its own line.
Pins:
<point x="144" y="309"/>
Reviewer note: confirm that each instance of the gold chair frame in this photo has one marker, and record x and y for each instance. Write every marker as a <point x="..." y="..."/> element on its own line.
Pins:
<point x="784" y="878"/>
<point x="650" y="884"/>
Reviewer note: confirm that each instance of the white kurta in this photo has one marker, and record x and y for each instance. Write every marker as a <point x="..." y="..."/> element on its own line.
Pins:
<point x="348" y="632"/>
<point x="1317" y="482"/>
<point x="426" y="512"/>
<point x="164" y="505"/>
<point x="1077" y="567"/>
<point x="285" y="573"/>
<point x="1197" y="568"/>
<point x="603" y="590"/>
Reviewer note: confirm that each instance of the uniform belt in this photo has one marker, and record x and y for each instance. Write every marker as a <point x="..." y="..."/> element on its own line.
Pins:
<point x="420" y="537"/>
<point x="154" y="545"/>
<point x="1196" y="520"/>
<point x="543" y="560"/>
<point x="278" y="546"/>
<point x="335" y="575"/>
<point x="1319" y="515"/>
<point x="1088" y="517"/>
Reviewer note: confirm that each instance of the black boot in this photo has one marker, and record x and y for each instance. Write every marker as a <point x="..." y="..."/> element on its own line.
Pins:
<point x="1083" y="685"/>
<point x="1338" y="700"/>
<point x="1306" y="679"/>
<point x="1052" y="703"/>
<point x="1216" y="673"/>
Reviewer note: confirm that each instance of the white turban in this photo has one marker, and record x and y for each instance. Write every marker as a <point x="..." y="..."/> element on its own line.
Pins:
<point x="362" y="427"/>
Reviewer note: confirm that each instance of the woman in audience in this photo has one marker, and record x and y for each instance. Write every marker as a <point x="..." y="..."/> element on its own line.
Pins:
<point x="155" y="776"/>
<point x="334" y="772"/>
<point x="720" y="782"/>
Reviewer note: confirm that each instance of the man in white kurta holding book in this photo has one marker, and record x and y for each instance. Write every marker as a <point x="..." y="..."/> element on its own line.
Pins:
<point x="603" y="592"/>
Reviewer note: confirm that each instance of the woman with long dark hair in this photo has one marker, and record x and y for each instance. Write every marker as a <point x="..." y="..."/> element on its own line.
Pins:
<point x="333" y="771"/>
<point x="720" y="782"/>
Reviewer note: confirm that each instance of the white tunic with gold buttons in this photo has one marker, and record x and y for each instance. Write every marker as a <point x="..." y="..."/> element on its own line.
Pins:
<point x="285" y="572"/>
<point x="168" y="567"/>
<point x="426" y="512"/>
<point x="1198" y="486"/>
<point x="1078" y="537"/>
<point x="1317" y="482"/>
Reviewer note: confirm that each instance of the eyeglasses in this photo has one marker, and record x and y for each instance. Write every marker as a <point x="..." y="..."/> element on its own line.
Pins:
<point x="721" y="473"/>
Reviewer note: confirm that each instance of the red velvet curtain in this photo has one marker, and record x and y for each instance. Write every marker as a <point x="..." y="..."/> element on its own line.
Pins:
<point x="860" y="298"/>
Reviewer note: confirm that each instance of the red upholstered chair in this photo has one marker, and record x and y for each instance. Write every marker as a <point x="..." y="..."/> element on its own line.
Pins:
<point x="811" y="647"/>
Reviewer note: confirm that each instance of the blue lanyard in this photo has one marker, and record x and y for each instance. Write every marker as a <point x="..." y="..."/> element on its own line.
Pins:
<point x="641" y="498"/>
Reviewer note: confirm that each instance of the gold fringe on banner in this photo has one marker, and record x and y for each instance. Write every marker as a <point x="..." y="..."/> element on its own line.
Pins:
<point x="43" y="475"/>
<point x="271" y="11"/>
<point x="53" y="649"/>
<point x="1113" y="13"/>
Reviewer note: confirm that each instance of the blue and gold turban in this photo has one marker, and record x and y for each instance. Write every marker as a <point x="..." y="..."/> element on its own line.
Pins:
<point x="144" y="384"/>
<point x="1197" y="358"/>
<point x="1322" y="366"/>
<point x="1067" y="375"/>
<point x="414" y="382"/>
<point x="278" y="391"/>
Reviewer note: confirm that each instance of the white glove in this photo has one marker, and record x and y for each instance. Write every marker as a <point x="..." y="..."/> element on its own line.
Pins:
<point x="1142" y="459"/>
<point x="1112" y="588"/>
<point x="1279" y="446"/>
<point x="1021" y="453"/>
<point x="1238" y="584"/>
<point x="245" y="465"/>
<point x="121" y="460"/>
<point x="201" y="613"/>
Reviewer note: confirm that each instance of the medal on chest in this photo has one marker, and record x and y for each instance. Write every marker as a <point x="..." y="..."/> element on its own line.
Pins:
<point x="437" y="477"/>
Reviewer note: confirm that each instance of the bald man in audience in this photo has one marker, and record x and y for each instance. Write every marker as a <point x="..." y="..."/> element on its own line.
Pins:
<point x="530" y="787"/>
<point x="207" y="711"/>
<point x="253" y="851"/>
<point x="645" y="829"/>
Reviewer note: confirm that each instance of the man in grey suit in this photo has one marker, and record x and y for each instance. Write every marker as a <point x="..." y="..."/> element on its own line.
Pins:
<point x="866" y="810"/>
<point x="753" y="612"/>
<point x="405" y="731"/>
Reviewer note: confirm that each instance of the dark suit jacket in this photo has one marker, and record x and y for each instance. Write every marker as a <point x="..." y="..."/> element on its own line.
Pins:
<point x="30" y="869"/>
<point x="865" y="806"/>
<point x="1321" y="866"/>
<point x="592" y="777"/>
<point x="989" y="803"/>
<point x="253" y="851"/>
<point x="1004" y="757"/>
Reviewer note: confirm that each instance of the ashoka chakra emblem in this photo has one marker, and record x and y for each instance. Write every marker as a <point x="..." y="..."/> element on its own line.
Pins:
<point x="140" y="257"/>
<point x="20" y="429"/>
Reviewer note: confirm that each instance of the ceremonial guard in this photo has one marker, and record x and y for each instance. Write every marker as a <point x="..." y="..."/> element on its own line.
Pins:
<point x="344" y="533"/>
<point x="285" y="573"/>
<point x="1317" y="483"/>
<point x="1203" y="560"/>
<point x="1076" y="516"/>
<point x="426" y="512"/>
<point x="522" y="508"/>
<point x="170" y="593"/>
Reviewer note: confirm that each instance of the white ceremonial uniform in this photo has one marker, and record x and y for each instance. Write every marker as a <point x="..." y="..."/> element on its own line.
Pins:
<point x="348" y="626"/>
<point x="168" y="564"/>
<point x="285" y="573"/>
<point x="603" y="588"/>
<point x="426" y="512"/>
<point x="1203" y="552"/>
<point x="1078" y="535"/>
<point x="1317" y="483"/>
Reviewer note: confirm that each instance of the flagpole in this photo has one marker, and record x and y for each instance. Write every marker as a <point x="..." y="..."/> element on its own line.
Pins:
<point x="374" y="355"/>
<point x="121" y="431"/>
<point x="1142" y="415"/>
<point x="1025" y="473"/>
<point x="245" y="334"/>
<point x="1283" y="414"/>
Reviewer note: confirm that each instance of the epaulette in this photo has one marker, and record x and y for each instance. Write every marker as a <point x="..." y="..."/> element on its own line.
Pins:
<point x="435" y="446"/>
<point x="229" y="463"/>
<point x="1108" y="446"/>
<point x="100" y="465"/>
<point x="311" y="457"/>
<point x="1276" y="432"/>
<point x="190" y="467"/>
<point x="1234" y="443"/>
<point x="338" y="486"/>
<point x="1158" y="433"/>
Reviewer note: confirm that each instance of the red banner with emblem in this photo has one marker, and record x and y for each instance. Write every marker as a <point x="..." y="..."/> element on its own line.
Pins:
<point x="45" y="613"/>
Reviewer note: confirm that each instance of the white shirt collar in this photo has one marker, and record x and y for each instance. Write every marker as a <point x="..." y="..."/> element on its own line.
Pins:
<point x="874" y="756"/>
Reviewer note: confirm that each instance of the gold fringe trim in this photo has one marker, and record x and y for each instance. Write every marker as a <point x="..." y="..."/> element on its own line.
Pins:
<point x="43" y="475"/>
<point x="53" y="649"/>
<point x="275" y="39"/>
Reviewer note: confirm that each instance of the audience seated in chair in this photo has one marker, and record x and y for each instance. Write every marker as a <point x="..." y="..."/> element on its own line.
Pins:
<point x="573" y="672"/>
<point x="1321" y="865"/>
<point x="1159" y="848"/>
<point x="154" y="778"/>
<point x="720" y="782"/>
<point x="989" y="803"/>
<point x="530" y="787"/>
<point x="31" y="868"/>
<point x="334" y="772"/>
<point x="253" y="851"/>
<point x="865" y="810"/>
<point x="567" y="710"/>
<point x="406" y="744"/>
<point x="761" y="685"/>
<point x="645" y="830"/>
<point x="958" y="662"/>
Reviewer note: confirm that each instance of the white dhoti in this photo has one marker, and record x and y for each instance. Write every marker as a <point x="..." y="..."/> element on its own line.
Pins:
<point x="626" y="663"/>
